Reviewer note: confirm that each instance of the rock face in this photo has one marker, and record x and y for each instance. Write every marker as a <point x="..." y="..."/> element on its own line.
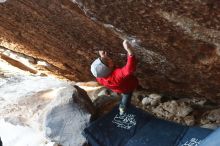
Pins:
<point x="211" y="117"/>
<point x="177" y="42"/>
<point x="170" y="109"/>
<point x="67" y="118"/>
<point x="188" y="111"/>
<point x="153" y="100"/>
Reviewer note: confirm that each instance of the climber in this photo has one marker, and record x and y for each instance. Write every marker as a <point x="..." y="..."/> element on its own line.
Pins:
<point x="119" y="80"/>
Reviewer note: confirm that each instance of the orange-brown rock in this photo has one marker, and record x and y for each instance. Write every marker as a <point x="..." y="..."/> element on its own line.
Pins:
<point x="177" y="42"/>
<point x="17" y="64"/>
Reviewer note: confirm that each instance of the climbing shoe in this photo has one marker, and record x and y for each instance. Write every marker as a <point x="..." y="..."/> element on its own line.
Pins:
<point x="122" y="109"/>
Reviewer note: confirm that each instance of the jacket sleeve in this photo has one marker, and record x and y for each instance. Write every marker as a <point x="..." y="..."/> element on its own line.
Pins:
<point x="129" y="68"/>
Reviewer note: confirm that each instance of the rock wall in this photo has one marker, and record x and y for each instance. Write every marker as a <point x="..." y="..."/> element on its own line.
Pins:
<point x="55" y="31"/>
<point x="177" y="42"/>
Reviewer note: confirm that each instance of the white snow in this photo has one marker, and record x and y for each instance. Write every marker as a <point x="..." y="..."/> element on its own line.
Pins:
<point x="20" y="86"/>
<point x="16" y="135"/>
<point x="23" y="100"/>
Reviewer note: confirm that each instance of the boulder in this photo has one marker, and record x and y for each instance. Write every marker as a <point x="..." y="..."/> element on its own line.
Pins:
<point x="173" y="108"/>
<point x="211" y="117"/>
<point x="68" y="116"/>
<point x="177" y="42"/>
<point x="153" y="99"/>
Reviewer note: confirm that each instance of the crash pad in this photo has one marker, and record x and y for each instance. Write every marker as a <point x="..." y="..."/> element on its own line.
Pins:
<point x="138" y="128"/>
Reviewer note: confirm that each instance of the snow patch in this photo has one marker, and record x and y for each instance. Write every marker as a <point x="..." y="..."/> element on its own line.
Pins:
<point x="12" y="135"/>
<point x="17" y="88"/>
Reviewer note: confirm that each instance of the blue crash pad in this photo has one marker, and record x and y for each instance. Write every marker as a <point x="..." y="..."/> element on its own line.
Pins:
<point x="137" y="128"/>
<point x="213" y="139"/>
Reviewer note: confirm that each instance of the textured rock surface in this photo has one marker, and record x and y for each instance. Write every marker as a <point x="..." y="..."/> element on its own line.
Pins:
<point x="153" y="100"/>
<point x="68" y="116"/>
<point x="55" y="31"/>
<point x="188" y="111"/>
<point x="172" y="108"/>
<point x="177" y="41"/>
<point x="212" y="116"/>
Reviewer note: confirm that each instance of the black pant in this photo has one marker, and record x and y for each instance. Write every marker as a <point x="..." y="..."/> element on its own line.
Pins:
<point x="126" y="99"/>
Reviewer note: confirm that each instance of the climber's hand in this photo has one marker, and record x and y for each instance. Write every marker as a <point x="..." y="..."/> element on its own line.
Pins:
<point x="128" y="47"/>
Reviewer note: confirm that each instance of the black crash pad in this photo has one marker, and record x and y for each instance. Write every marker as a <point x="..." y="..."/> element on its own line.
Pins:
<point x="137" y="128"/>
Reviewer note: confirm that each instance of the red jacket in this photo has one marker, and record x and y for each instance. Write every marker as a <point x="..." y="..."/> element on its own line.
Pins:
<point x="122" y="80"/>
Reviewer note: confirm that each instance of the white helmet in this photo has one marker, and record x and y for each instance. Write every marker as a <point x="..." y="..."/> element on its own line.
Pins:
<point x="99" y="69"/>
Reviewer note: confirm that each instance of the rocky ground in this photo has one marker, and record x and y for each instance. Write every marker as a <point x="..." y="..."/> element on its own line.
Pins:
<point x="187" y="111"/>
